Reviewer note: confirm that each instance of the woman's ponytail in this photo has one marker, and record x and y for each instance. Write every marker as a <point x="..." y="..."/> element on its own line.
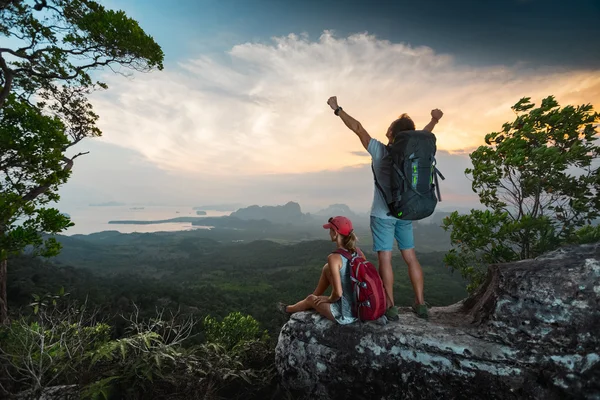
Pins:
<point x="349" y="242"/>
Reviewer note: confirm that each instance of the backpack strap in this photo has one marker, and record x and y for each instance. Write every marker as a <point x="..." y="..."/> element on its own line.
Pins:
<point x="344" y="253"/>
<point x="405" y="181"/>
<point x="360" y="253"/>
<point x="378" y="185"/>
<point x="437" y="172"/>
<point x="437" y="184"/>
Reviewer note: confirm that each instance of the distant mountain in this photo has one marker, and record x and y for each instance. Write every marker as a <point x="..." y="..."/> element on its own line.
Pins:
<point x="219" y="207"/>
<point x="290" y="213"/>
<point x="337" y="209"/>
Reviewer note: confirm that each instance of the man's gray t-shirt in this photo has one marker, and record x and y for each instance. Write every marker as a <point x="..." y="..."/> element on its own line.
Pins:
<point x="378" y="151"/>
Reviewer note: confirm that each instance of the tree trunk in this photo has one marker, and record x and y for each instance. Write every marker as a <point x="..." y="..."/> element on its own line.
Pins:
<point x="8" y="78"/>
<point x="3" y="298"/>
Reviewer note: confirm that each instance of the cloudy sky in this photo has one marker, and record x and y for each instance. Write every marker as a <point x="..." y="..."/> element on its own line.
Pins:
<point x="239" y="113"/>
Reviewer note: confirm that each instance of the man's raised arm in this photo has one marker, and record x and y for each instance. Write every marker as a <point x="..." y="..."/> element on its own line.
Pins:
<point x="435" y="118"/>
<point x="350" y="122"/>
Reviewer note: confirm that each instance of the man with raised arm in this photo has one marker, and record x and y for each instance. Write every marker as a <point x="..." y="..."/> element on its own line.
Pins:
<point x="384" y="227"/>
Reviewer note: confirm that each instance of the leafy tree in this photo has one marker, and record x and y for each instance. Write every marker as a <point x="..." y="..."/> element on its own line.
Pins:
<point x="61" y="41"/>
<point x="31" y="157"/>
<point x="539" y="184"/>
<point x="45" y="80"/>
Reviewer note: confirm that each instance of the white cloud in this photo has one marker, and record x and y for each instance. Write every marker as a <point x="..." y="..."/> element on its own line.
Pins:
<point x="262" y="110"/>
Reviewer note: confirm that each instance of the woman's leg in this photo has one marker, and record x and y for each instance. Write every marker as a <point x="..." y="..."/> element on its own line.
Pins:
<point x="302" y="305"/>
<point x="323" y="284"/>
<point x="309" y="303"/>
<point x="325" y="310"/>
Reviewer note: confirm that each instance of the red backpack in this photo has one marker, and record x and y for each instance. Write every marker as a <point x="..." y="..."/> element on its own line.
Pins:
<point x="367" y="284"/>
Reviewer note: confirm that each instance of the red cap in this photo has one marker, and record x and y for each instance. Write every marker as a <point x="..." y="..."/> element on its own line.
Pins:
<point x="341" y="225"/>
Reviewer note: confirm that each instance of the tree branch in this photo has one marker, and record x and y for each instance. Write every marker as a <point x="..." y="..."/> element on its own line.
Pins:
<point x="519" y="195"/>
<point x="8" y="78"/>
<point x="75" y="74"/>
<point x="74" y="142"/>
<point x="512" y="198"/>
<point x="17" y="53"/>
<point x="79" y="154"/>
<point x="77" y="70"/>
<point x="72" y="52"/>
<point x="39" y="190"/>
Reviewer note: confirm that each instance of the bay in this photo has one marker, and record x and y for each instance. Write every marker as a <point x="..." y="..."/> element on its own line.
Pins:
<point x="91" y="219"/>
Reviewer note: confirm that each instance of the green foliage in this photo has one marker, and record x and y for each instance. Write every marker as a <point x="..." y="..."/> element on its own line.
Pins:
<point x="541" y="164"/>
<point x="234" y="330"/>
<point x="537" y="180"/>
<point x="31" y="157"/>
<point x="60" y="344"/>
<point x="587" y="234"/>
<point x="49" y="346"/>
<point x="142" y="354"/>
<point x="145" y="363"/>
<point x="45" y="82"/>
<point x="102" y="389"/>
<point x="486" y="237"/>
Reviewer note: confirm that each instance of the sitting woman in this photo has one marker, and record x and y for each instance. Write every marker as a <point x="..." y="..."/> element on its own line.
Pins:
<point x="339" y="306"/>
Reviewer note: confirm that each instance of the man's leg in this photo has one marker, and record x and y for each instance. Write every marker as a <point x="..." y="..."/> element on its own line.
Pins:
<point x="387" y="275"/>
<point x="383" y="242"/>
<point x="415" y="273"/>
<point x="406" y="244"/>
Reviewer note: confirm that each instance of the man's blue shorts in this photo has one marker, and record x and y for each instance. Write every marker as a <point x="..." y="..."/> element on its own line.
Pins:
<point x="385" y="230"/>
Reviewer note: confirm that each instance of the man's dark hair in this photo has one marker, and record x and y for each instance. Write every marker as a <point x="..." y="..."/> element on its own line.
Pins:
<point x="403" y="123"/>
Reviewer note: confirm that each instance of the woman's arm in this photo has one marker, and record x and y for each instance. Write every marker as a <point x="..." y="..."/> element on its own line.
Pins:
<point x="335" y="264"/>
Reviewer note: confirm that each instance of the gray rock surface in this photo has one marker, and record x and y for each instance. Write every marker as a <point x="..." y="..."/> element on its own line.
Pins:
<point x="64" y="392"/>
<point x="532" y="331"/>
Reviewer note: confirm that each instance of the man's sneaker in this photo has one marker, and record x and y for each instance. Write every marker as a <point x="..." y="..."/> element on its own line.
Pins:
<point x="420" y="310"/>
<point x="392" y="313"/>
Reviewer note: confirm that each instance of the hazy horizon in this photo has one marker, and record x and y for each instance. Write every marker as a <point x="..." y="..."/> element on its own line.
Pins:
<point x="314" y="209"/>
